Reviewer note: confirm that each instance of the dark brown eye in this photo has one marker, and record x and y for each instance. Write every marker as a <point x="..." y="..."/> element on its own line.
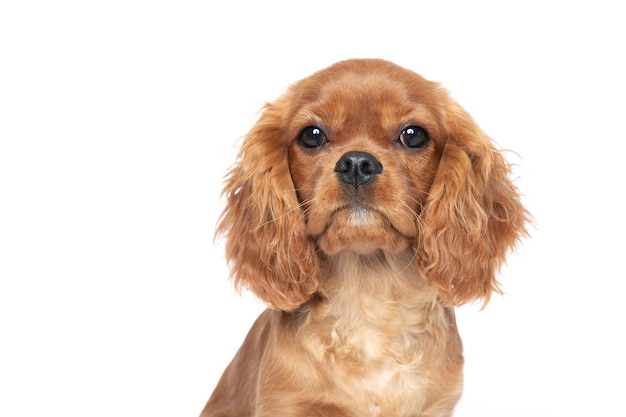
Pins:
<point x="312" y="137"/>
<point x="414" y="137"/>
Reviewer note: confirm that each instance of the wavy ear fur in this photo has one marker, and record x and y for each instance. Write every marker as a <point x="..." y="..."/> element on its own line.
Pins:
<point x="266" y="245"/>
<point x="473" y="215"/>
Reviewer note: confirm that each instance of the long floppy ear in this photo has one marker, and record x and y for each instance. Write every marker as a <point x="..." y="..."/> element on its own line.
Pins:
<point x="266" y="245"/>
<point x="473" y="215"/>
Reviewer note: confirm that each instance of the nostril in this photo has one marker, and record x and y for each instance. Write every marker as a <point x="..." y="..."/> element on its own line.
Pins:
<point x="367" y="167"/>
<point x="357" y="168"/>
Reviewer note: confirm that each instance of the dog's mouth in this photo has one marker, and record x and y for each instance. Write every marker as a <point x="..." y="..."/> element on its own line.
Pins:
<point x="362" y="229"/>
<point x="358" y="215"/>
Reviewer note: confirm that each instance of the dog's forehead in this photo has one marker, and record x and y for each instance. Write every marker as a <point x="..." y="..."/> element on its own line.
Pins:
<point x="364" y="98"/>
<point x="364" y="89"/>
<point x="358" y="86"/>
<point x="362" y="84"/>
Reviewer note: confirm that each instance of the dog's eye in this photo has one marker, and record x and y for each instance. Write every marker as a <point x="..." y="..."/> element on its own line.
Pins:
<point x="414" y="137"/>
<point x="312" y="137"/>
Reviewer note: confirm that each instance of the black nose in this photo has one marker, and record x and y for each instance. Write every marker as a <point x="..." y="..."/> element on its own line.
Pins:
<point x="357" y="168"/>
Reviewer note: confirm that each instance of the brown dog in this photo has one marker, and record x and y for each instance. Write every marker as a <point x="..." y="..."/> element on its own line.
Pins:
<point x="365" y="204"/>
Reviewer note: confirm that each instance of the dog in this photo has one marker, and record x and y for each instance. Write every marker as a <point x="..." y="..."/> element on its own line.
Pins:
<point x="365" y="204"/>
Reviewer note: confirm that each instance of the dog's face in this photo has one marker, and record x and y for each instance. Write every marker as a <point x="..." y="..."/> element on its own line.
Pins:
<point x="365" y="157"/>
<point x="363" y="153"/>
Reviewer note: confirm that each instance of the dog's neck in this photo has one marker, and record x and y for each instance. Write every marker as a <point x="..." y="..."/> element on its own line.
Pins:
<point x="378" y="299"/>
<point x="350" y="278"/>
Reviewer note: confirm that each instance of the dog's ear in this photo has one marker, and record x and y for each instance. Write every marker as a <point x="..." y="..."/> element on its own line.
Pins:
<point x="473" y="215"/>
<point x="266" y="244"/>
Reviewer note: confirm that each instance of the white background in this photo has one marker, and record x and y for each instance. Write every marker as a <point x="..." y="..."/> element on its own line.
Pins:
<point x="118" y="120"/>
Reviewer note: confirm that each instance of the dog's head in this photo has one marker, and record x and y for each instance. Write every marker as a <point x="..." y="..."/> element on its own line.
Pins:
<point x="364" y="157"/>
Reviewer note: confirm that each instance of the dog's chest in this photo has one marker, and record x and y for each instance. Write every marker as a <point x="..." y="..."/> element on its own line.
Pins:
<point x="375" y="355"/>
<point x="382" y="381"/>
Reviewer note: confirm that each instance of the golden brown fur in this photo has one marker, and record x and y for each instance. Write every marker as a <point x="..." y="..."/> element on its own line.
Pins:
<point x="361" y="246"/>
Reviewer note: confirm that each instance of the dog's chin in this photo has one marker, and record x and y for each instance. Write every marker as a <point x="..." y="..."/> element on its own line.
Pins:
<point x="360" y="230"/>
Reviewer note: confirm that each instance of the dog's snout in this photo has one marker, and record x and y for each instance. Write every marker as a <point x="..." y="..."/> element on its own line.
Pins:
<point x="357" y="168"/>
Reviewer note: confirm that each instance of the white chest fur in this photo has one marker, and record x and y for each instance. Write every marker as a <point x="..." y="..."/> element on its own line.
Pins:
<point x="379" y="334"/>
